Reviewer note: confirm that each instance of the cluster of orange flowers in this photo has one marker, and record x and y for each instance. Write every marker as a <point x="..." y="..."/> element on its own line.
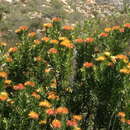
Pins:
<point x="122" y="115"/>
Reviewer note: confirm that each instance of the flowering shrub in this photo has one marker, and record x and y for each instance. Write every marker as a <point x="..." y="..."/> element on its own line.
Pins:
<point x="65" y="81"/>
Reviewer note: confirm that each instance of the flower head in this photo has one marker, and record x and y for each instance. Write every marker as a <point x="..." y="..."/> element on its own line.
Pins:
<point x="48" y="25"/>
<point x="56" y="123"/>
<point x="79" y="40"/>
<point x="127" y="25"/>
<point x="3" y="96"/>
<point x="3" y="44"/>
<point x="121" y="114"/>
<point x="12" y="50"/>
<point x="3" y="75"/>
<point x="9" y="59"/>
<point x="89" y="40"/>
<point x="36" y="95"/>
<point x="45" y="103"/>
<point x="115" y="27"/>
<point x="56" y="19"/>
<point x="37" y="42"/>
<point x="77" y="117"/>
<point x="67" y="44"/>
<point x="19" y="86"/>
<point x="52" y="51"/>
<point x="31" y="34"/>
<point x="100" y="58"/>
<point x="7" y="82"/>
<point x="50" y="111"/>
<point x="107" y="29"/>
<point x="103" y="34"/>
<point x="71" y="123"/>
<point x="125" y="70"/>
<point x="33" y="115"/>
<point x="121" y="57"/>
<point x="88" y="64"/>
<point x="62" y="110"/>
<point x="54" y="41"/>
<point x="29" y="83"/>
<point x="23" y="28"/>
<point x="45" y="39"/>
<point x="68" y="28"/>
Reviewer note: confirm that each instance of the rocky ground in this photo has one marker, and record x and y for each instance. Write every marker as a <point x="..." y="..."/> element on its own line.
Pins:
<point x="14" y="13"/>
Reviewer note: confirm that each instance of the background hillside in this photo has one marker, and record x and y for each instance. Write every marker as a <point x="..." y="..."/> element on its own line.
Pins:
<point x="33" y="13"/>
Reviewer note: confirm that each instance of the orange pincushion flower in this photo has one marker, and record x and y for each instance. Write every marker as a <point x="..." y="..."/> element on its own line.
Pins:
<point x="35" y="95"/>
<point x="3" y="96"/>
<point x="37" y="42"/>
<point x="50" y="111"/>
<point x="67" y="27"/>
<point x="71" y="123"/>
<point x="67" y="44"/>
<point x="45" y="103"/>
<point x="125" y="71"/>
<point x="128" y="122"/>
<point x="77" y="117"/>
<point x="29" y="83"/>
<point x="12" y="50"/>
<point x="31" y="34"/>
<point x="53" y="96"/>
<point x="89" y="40"/>
<point x="56" y="123"/>
<point x="8" y="82"/>
<point x="3" y="44"/>
<point x="127" y="25"/>
<point x="122" y="30"/>
<point x="47" y="25"/>
<point x="9" y="59"/>
<point x="62" y="110"/>
<point x="52" y="51"/>
<point x="17" y="30"/>
<point x="23" y="28"/>
<point x="46" y="39"/>
<point x="56" y="19"/>
<point x="100" y="58"/>
<point x="103" y="34"/>
<point x="121" y="114"/>
<point x="33" y="115"/>
<point x="79" y="40"/>
<point x="115" y="27"/>
<point x="3" y="75"/>
<point x="19" y="86"/>
<point x="88" y="64"/>
<point x="107" y="29"/>
<point x="54" y="41"/>
<point x="121" y="56"/>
